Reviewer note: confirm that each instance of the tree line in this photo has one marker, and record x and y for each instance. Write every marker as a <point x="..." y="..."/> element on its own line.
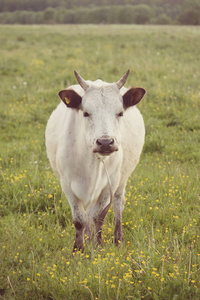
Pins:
<point x="186" y="12"/>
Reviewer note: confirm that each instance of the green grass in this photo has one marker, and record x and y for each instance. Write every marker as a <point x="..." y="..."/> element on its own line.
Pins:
<point x="160" y="258"/>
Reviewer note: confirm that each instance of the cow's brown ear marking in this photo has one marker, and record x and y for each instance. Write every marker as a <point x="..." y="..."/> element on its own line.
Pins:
<point x="70" y="98"/>
<point x="133" y="96"/>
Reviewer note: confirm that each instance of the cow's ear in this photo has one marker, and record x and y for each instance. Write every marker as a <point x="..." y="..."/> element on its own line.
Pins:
<point x="133" y="96"/>
<point x="70" y="98"/>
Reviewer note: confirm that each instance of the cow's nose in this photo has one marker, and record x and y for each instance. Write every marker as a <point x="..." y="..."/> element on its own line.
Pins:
<point x="105" y="145"/>
<point x="105" y="142"/>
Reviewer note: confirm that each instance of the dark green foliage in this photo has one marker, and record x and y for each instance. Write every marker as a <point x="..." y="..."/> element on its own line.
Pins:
<point x="100" y="11"/>
<point x="190" y="16"/>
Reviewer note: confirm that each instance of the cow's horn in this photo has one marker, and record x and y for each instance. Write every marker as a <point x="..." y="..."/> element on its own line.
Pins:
<point x="122" y="80"/>
<point x="81" y="81"/>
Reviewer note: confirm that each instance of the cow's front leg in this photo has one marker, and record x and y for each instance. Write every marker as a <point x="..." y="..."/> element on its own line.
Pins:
<point x="118" y="207"/>
<point x="78" y="215"/>
<point x="88" y="228"/>
<point x="79" y="220"/>
<point x="79" y="241"/>
<point x="83" y="229"/>
<point x="98" y="211"/>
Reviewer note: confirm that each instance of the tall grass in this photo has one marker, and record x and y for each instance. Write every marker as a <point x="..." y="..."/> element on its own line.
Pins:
<point x="161" y="253"/>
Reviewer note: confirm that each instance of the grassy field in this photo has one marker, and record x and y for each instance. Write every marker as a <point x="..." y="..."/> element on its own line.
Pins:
<point x="160" y="258"/>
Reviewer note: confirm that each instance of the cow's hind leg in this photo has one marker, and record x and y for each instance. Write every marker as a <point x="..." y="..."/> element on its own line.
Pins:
<point x="118" y="207"/>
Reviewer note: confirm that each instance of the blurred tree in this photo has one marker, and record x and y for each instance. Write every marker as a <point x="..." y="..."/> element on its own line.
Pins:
<point x="49" y="15"/>
<point x="190" y="16"/>
<point x="163" y="19"/>
<point x="126" y="15"/>
<point x="142" y="13"/>
<point x="106" y="11"/>
<point x="68" y="17"/>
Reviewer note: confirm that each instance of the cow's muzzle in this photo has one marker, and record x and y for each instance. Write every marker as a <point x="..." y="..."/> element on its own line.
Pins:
<point x="105" y="145"/>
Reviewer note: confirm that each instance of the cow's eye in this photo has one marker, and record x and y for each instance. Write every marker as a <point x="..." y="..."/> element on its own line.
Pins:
<point x="120" y="114"/>
<point x="85" y="114"/>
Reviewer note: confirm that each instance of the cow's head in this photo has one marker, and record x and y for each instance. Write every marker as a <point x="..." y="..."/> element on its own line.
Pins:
<point x="102" y="107"/>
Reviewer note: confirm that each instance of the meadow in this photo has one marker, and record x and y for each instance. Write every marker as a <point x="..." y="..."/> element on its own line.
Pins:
<point x="160" y="257"/>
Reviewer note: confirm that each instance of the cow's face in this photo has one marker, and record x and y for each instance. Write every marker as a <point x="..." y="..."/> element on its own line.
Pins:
<point x="102" y="110"/>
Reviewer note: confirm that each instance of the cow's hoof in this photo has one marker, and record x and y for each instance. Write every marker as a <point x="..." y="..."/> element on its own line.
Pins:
<point x="119" y="241"/>
<point x="78" y="248"/>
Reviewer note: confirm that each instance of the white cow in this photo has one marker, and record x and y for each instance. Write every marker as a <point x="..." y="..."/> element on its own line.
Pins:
<point x="95" y="122"/>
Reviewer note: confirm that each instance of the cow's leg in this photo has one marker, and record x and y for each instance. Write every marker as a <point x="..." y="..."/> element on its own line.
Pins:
<point x="98" y="211"/>
<point x="78" y="215"/>
<point x="80" y="228"/>
<point x="88" y="228"/>
<point x="118" y="207"/>
<point x="79" y="220"/>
